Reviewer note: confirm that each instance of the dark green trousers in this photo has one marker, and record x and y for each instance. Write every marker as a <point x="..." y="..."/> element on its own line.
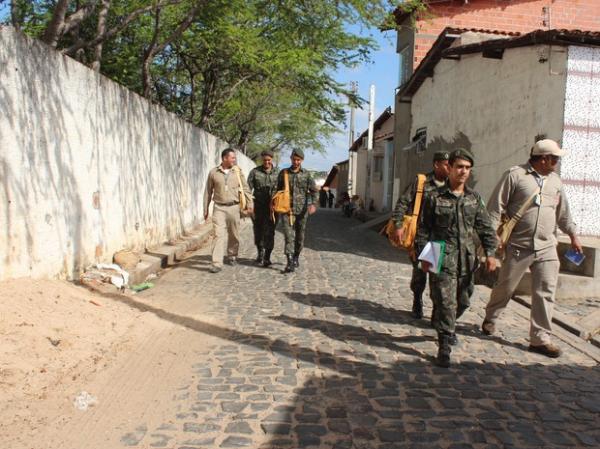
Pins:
<point x="264" y="228"/>
<point x="294" y="234"/>
<point x="451" y="296"/>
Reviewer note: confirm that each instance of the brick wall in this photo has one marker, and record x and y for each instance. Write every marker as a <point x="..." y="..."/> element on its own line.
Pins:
<point x="505" y="15"/>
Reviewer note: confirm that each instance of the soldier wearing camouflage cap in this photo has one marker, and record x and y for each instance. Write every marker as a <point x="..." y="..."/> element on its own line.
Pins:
<point x="434" y="180"/>
<point x="303" y="198"/>
<point x="262" y="180"/>
<point x="454" y="214"/>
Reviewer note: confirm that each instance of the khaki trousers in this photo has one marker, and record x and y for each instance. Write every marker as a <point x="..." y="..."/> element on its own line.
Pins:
<point x="226" y="224"/>
<point x="544" y="266"/>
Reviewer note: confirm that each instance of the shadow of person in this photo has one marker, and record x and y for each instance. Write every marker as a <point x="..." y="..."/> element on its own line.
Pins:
<point x="345" y="333"/>
<point x="411" y="405"/>
<point x="359" y="308"/>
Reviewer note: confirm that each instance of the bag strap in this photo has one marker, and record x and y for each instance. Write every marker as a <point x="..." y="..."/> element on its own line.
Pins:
<point x="286" y="181"/>
<point x="516" y="217"/>
<point x="419" y="195"/>
<point x="241" y="187"/>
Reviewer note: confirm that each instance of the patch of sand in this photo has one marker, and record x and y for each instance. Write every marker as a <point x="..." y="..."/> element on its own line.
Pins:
<point x="53" y="337"/>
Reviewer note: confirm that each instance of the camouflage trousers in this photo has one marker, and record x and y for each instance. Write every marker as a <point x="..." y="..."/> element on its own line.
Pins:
<point x="294" y="234"/>
<point x="451" y="296"/>
<point x="418" y="280"/>
<point x="264" y="228"/>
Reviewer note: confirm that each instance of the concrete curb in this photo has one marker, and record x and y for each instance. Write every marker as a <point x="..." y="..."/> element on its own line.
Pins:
<point x="167" y="254"/>
<point x="565" y="322"/>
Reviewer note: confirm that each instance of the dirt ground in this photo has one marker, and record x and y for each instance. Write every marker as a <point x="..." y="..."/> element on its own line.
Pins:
<point x="55" y="338"/>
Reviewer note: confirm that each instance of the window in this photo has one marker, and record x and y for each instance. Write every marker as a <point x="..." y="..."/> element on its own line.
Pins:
<point x="420" y="140"/>
<point x="406" y="65"/>
<point x="377" y="168"/>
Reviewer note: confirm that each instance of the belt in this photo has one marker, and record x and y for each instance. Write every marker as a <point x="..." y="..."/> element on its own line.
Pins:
<point x="227" y="204"/>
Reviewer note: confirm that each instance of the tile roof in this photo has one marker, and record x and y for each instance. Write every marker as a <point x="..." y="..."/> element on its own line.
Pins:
<point x="442" y="48"/>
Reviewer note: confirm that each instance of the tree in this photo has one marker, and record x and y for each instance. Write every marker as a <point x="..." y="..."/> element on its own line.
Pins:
<point x="258" y="73"/>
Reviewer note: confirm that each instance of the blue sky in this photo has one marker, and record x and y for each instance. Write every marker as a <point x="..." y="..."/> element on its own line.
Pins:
<point x="383" y="73"/>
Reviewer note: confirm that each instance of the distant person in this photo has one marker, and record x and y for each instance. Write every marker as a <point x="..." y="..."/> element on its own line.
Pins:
<point x="454" y="215"/>
<point x="262" y="180"/>
<point x="345" y="204"/>
<point x="330" y="199"/>
<point x="322" y="197"/>
<point x="303" y="198"/>
<point x="434" y="180"/>
<point x="227" y="187"/>
<point x="532" y="243"/>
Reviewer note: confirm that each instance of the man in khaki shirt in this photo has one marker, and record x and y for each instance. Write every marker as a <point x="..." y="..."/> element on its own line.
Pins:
<point x="224" y="186"/>
<point x="532" y="243"/>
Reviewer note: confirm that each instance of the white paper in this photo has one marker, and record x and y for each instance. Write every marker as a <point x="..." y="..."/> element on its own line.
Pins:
<point x="432" y="254"/>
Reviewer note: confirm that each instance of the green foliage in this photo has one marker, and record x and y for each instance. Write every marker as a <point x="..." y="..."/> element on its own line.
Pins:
<point x="258" y="73"/>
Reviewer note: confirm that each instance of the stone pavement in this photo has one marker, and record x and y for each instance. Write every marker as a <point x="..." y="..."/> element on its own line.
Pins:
<point x="329" y="357"/>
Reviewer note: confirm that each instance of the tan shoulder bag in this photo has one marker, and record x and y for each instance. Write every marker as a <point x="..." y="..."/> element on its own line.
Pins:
<point x="409" y="222"/>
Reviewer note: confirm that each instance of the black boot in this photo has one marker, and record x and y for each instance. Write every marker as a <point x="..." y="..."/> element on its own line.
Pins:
<point x="417" y="308"/>
<point x="290" y="267"/>
<point x="453" y="339"/>
<point x="261" y="256"/>
<point x="295" y="259"/>
<point x="267" y="258"/>
<point x="444" y="350"/>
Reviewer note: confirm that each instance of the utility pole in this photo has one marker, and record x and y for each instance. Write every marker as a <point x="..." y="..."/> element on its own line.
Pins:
<point x="352" y="156"/>
<point x="370" y="147"/>
<point x="354" y="89"/>
<point x="371" y="117"/>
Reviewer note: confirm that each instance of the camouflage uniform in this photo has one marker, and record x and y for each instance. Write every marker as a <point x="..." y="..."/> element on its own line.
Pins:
<point x="303" y="192"/>
<point x="263" y="184"/>
<point x="455" y="219"/>
<point x="405" y="205"/>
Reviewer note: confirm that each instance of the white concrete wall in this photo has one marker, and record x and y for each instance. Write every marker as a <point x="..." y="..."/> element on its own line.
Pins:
<point x="87" y="167"/>
<point x="495" y="106"/>
<point x="580" y="168"/>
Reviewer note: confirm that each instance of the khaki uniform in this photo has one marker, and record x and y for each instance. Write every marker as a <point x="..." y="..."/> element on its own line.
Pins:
<point x="223" y="188"/>
<point x="532" y="244"/>
<point x="454" y="219"/>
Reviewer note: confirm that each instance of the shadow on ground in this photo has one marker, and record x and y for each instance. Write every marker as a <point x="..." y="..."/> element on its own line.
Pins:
<point x="328" y="230"/>
<point x="389" y="404"/>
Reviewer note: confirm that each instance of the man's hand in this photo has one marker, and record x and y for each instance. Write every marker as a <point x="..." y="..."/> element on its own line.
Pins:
<point x="206" y="215"/>
<point x="399" y="235"/>
<point x="576" y="244"/>
<point x="490" y="264"/>
<point x="425" y="266"/>
<point x="311" y="209"/>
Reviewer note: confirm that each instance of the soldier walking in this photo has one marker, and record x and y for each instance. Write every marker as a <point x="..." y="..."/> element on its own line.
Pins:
<point x="453" y="215"/>
<point x="405" y="205"/>
<point x="532" y="243"/>
<point x="262" y="181"/>
<point x="227" y="187"/>
<point x="303" y="197"/>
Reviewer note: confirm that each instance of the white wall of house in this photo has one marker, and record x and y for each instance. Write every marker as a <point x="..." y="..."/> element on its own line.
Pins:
<point x="87" y="167"/>
<point x="495" y="106"/>
<point x="580" y="168"/>
<point x="380" y="172"/>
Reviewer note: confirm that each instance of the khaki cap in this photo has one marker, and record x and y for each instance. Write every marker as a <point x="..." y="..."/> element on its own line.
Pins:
<point x="547" y="146"/>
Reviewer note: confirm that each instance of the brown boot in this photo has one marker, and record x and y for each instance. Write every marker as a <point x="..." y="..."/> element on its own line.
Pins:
<point x="548" y="349"/>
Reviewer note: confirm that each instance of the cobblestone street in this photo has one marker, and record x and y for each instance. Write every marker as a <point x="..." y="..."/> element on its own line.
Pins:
<point x="330" y="357"/>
